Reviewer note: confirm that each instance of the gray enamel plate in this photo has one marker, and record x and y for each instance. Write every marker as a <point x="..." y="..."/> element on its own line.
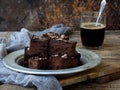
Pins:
<point x="88" y="58"/>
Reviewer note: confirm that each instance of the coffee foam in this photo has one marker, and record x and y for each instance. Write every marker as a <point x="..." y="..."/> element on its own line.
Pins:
<point x="92" y="25"/>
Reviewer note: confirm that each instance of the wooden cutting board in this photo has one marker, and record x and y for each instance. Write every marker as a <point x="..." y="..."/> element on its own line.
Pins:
<point x="108" y="70"/>
<point x="103" y="73"/>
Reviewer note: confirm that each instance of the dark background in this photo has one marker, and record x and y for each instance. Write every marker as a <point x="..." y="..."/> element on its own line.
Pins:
<point x="41" y="14"/>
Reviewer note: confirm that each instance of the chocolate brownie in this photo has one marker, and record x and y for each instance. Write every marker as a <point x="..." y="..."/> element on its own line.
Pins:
<point x="37" y="62"/>
<point x="63" y="62"/>
<point x="39" y="46"/>
<point x="62" y="47"/>
<point x="51" y="51"/>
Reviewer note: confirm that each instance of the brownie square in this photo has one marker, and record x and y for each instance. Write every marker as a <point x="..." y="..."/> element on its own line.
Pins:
<point x="39" y="46"/>
<point x="61" y="47"/>
<point x="37" y="63"/>
<point x="56" y="62"/>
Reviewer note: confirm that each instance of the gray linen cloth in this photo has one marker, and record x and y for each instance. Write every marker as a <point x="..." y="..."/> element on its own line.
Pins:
<point x="18" y="40"/>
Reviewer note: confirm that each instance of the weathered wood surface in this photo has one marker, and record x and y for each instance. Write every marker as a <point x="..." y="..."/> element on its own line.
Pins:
<point x="108" y="70"/>
<point x="110" y="53"/>
<point x="39" y="14"/>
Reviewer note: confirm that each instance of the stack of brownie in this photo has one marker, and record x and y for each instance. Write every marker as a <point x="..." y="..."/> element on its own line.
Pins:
<point x="51" y="51"/>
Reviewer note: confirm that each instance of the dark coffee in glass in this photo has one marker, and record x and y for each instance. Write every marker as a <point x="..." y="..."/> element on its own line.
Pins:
<point x="92" y="35"/>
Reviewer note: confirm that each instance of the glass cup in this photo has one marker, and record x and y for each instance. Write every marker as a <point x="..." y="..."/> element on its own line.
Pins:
<point x="92" y="33"/>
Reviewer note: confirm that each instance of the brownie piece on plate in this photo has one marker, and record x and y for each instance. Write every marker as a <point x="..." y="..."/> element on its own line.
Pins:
<point x="37" y="63"/>
<point x="39" y="46"/>
<point x="63" y="62"/>
<point x="62" y="47"/>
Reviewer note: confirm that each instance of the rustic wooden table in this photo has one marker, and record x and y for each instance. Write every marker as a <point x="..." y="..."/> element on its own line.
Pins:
<point x="97" y="78"/>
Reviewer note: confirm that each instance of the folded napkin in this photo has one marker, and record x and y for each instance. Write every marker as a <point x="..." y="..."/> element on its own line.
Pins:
<point x="18" y="40"/>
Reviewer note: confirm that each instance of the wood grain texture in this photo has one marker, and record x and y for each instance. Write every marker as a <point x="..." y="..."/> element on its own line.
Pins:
<point x="40" y="14"/>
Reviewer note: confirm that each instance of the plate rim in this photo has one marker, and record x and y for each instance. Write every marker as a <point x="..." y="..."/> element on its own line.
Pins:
<point x="89" y="65"/>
